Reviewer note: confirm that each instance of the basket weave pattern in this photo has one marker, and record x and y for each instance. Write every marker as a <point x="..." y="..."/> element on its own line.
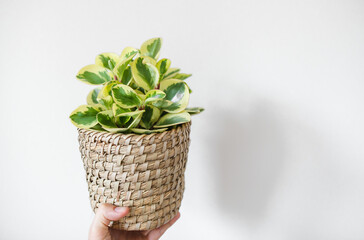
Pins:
<point x="142" y="172"/>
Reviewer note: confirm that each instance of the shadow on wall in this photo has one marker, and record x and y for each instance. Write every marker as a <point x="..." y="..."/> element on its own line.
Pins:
<point x="248" y="153"/>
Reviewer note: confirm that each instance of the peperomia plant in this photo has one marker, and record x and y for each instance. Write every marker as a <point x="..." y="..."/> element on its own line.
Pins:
<point x="139" y="93"/>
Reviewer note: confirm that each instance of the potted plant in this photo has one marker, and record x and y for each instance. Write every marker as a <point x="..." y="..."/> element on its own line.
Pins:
<point x="134" y="134"/>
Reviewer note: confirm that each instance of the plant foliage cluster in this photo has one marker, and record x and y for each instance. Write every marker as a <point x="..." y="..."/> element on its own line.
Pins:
<point x="137" y="92"/>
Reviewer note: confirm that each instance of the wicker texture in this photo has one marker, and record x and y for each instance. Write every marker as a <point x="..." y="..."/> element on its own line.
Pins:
<point x="142" y="172"/>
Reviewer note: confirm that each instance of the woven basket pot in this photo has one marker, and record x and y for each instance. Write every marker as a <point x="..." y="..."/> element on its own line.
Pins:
<point x="142" y="172"/>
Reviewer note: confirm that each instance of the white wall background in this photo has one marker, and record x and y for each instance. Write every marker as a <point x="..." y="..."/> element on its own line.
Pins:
<point x="277" y="155"/>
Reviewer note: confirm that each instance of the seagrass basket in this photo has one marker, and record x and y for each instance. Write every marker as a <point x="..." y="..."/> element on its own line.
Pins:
<point x="142" y="172"/>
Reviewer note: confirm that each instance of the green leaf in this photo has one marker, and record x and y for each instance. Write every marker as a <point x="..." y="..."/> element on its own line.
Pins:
<point x="84" y="116"/>
<point x="154" y="95"/>
<point x="163" y="65"/>
<point x="171" y="119"/>
<point x="145" y="74"/>
<point x="92" y="96"/>
<point x="107" y="60"/>
<point x="127" y="76"/>
<point x="176" y="92"/>
<point x="127" y="52"/>
<point x="95" y="75"/>
<point x="146" y="131"/>
<point x="125" y="96"/>
<point x="195" y="110"/>
<point x="107" y="121"/>
<point x="182" y="76"/>
<point x="122" y="65"/>
<point x="171" y="72"/>
<point x="150" y="116"/>
<point x="151" y="48"/>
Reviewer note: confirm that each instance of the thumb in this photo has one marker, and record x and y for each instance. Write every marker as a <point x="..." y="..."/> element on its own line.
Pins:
<point x="105" y="214"/>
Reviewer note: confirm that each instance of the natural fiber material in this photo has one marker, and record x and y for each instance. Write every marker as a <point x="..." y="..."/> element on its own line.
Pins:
<point x="142" y="172"/>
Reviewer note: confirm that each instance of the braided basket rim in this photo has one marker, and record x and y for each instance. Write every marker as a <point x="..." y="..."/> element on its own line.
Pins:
<point x="127" y="135"/>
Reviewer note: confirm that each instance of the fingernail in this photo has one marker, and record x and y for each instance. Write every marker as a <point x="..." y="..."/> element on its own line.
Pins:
<point x="119" y="209"/>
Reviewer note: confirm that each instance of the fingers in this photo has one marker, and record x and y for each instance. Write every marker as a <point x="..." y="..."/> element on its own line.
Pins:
<point x="157" y="233"/>
<point x="104" y="215"/>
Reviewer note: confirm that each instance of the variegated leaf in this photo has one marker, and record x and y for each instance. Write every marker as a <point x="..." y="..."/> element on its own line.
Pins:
<point x="134" y="86"/>
<point x="110" y="64"/>
<point x="107" y="60"/>
<point x="92" y="96"/>
<point x="140" y="94"/>
<point x="98" y="127"/>
<point x="151" y="48"/>
<point x="84" y="116"/>
<point x="127" y="52"/>
<point x="171" y="119"/>
<point x="145" y="74"/>
<point x="130" y="119"/>
<point x="163" y="65"/>
<point x="194" y="110"/>
<point x="120" y="120"/>
<point x="125" y="96"/>
<point x="176" y="92"/>
<point x="162" y="104"/>
<point x="150" y="116"/>
<point x="154" y="95"/>
<point x="106" y="101"/>
<point x="150" y="60"/>
<point x="132" y="114"/>
<point x="182" y="76"/>
<point x="99" y="107"/>
<point x="106" y="89"/>
<point x="107" y="121"/>
<point x="127" y="76"/>
<point x="147" y="131"/>
<point x="122" y="65"/>
<point x="104" y="97"/>
<point x="171" y="72"/>
<point x="95" y="74"/>
<point x="135" y="120"/>
<point x="116" y="109"/>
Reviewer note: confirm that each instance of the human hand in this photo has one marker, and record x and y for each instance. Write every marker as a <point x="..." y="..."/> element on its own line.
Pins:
<point x="106" y="213"/>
